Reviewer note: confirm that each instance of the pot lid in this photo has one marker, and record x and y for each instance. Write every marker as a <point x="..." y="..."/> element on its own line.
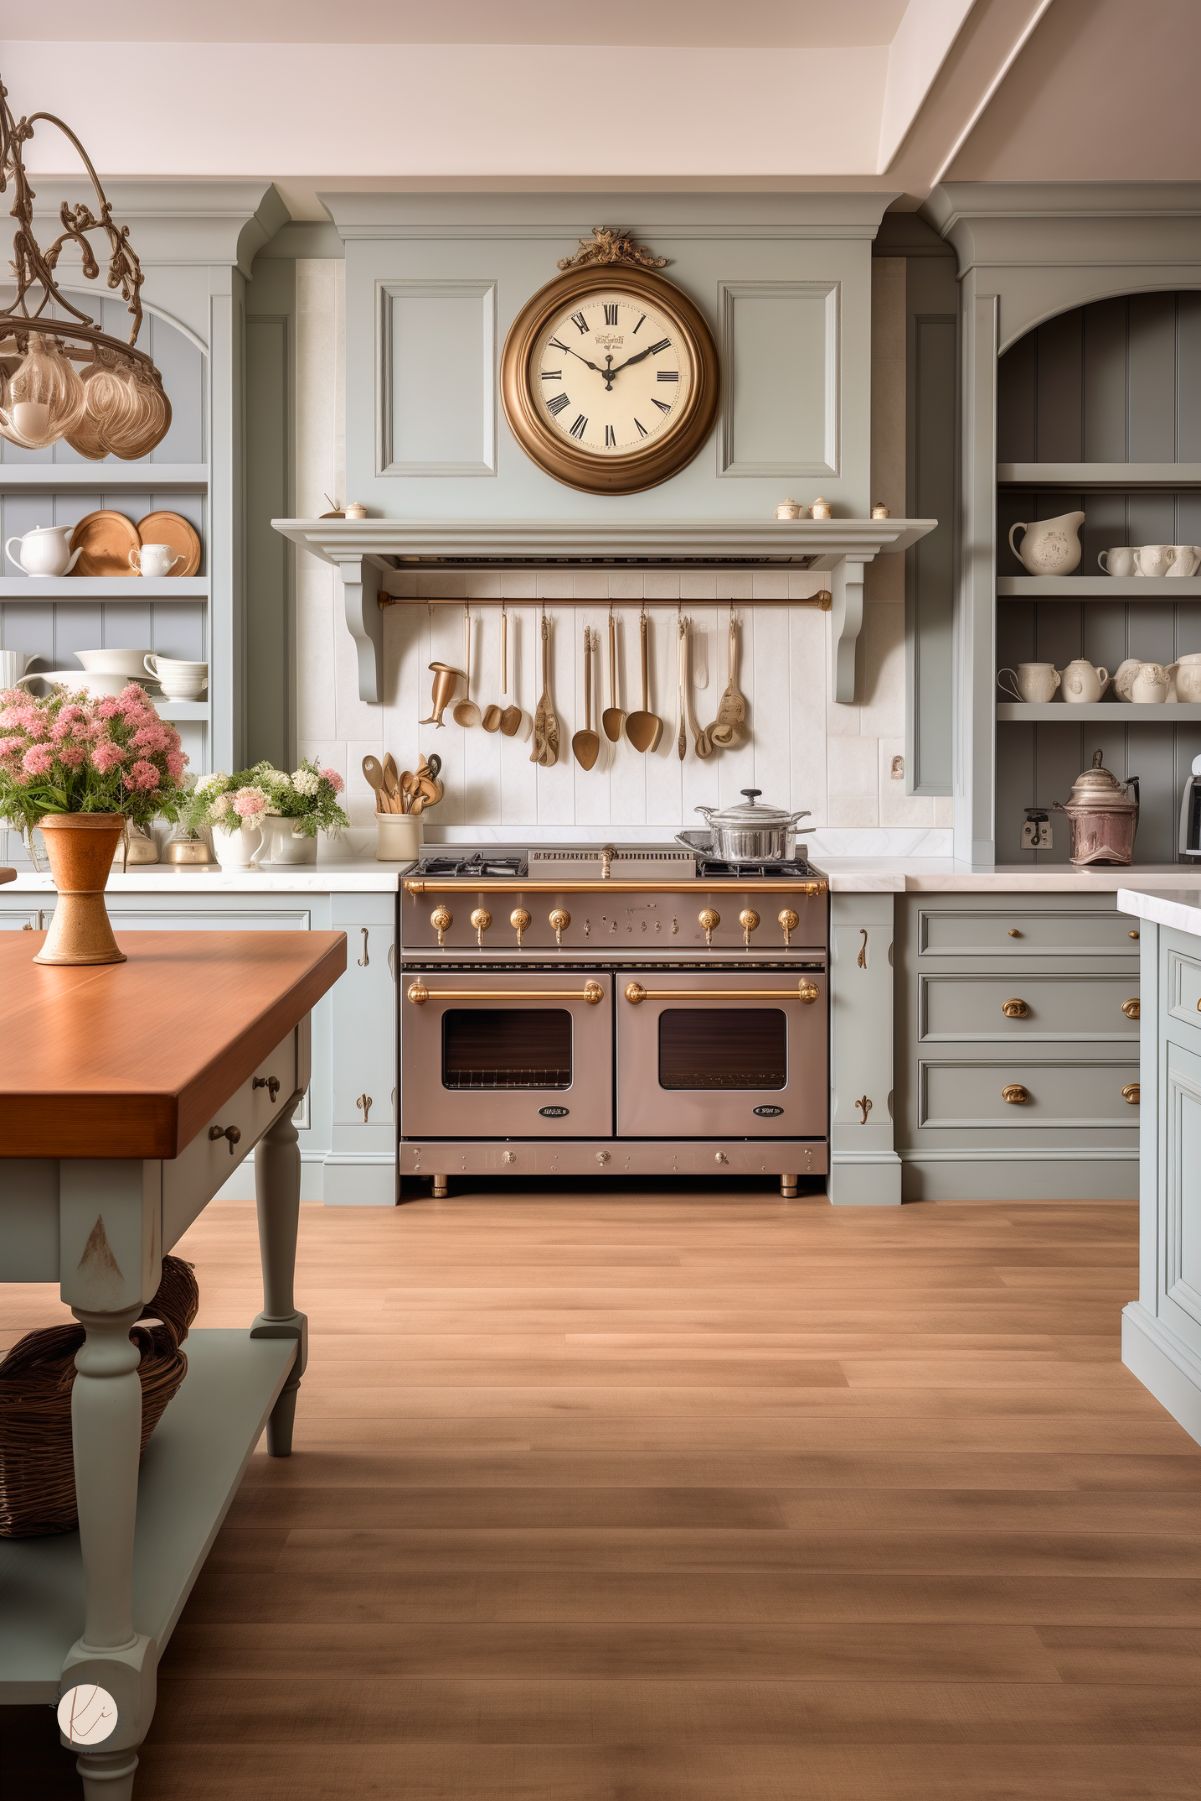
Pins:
<point x="1099" y="787"/>
<point x="750" y="813"/>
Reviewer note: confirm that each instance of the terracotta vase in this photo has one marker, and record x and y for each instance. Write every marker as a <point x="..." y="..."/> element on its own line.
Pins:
<point x="81" y="847"/>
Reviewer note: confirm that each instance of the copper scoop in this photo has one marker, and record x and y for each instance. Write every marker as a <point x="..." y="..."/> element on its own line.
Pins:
<point x="446" y="680"/>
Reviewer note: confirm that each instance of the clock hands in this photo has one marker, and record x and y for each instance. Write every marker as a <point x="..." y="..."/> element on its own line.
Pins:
<point x="641" y="357"/>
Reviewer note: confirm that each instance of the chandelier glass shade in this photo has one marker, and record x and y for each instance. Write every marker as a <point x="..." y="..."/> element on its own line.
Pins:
<point x="62" y="377"/>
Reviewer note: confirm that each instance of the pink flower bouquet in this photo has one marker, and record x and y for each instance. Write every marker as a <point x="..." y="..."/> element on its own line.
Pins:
<point x="72" y="753"/>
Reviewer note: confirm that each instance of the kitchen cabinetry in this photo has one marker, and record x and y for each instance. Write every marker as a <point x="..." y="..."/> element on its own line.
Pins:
<point x="347" y="1119"/>
<point x="1161" y="1331"/>
<point x="1017" y="1047"/>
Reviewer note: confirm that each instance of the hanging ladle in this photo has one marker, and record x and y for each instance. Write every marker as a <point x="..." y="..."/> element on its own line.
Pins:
<point x="494" y="715"/>
<point x="465" y="711"/>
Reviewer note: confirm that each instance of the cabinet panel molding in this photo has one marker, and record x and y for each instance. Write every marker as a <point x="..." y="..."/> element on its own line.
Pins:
<point x="436" y="377"/>
<point x="780" y="353"/>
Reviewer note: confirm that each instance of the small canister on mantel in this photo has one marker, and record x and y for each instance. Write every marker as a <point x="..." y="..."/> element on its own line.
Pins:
<point x="821" y="509"/>
<point x="791" y="509"/>
<point x="1102" y="816"/>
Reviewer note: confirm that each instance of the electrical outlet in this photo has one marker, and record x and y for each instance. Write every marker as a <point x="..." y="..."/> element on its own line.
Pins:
<point x="1036" y="834"/>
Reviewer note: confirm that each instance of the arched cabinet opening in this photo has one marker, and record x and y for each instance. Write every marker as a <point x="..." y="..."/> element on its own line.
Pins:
<point x="1099" y="413"/>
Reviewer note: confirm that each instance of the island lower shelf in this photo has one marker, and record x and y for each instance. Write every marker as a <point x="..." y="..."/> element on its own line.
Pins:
<point x="190" y="1474"/>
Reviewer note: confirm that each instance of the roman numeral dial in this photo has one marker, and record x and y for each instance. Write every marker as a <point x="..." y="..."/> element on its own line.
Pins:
<point x="610" y="374"/>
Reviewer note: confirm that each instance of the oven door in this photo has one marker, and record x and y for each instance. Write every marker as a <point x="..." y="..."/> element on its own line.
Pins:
<point x="512" y="1054"/>
<point x="722" y="1054"/>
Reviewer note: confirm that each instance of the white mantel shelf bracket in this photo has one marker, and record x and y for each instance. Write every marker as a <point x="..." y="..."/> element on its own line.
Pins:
<point x="368" y="552"/>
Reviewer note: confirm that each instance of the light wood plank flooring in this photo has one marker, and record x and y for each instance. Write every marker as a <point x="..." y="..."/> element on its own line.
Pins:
<point x="689" y="1498"/>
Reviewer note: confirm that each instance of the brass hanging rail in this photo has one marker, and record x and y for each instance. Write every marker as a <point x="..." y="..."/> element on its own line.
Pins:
<point x="823" y="600"/>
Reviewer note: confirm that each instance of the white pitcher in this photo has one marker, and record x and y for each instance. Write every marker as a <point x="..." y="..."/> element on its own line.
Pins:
<point x="1050" y="546"/>
<point x="238" y="849"/>
<point x="1150" y="684"/>
<point x="46" y="550"/>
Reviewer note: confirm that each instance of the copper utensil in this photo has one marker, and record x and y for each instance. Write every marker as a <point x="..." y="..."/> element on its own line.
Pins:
<point x="446" y="680"/>
<point x="731" y="708"/>
<point x="512" y="718"/>
<point x="374" y="772"/>
<point x="644" y="728"/>
<point x="466" y="712"/>
<point x="546" y="727"/>
<point x="585" y="745"/>
<point x="682" y="687"/>
<point x="613" y="719"/>
<point x="494" y="714"/>
<point x="702" y="743"/>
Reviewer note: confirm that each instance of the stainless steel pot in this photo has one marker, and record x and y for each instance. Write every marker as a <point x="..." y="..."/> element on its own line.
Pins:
<point x="753" y="834"/>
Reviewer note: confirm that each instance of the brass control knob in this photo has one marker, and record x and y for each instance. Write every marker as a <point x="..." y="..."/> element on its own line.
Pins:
<point x="720" y="1157"/>
<point x="748" y="919"/>
<point x="1132" y="1094"/>
<point x="1015" y="1095"/>
<point x="508" y="1156"/>
<point x="1016" y="1009"/>
<point x="788" y="920"/>
<point x="602" y="1157"/>
<point x="559" y="919"/>
<point x="441" y="919"/>
<point x="807" y="991"/>
<point x="481" y="919"/>
<point x="1132" y="1008"/>
<point x="708" y="921"/>
<point x="519" y="919"/>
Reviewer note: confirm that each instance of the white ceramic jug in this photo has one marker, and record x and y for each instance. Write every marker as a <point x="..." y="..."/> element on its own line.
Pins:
<point x="46" y="550"/>
<point x="238" y="849"/>
<point x="1083" y="682"/>
<point x="1050" y="546"/>
<point x="1150" y="684"/>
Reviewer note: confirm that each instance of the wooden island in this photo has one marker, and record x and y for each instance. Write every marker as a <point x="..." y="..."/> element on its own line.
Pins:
<point x="127" y="1093"/>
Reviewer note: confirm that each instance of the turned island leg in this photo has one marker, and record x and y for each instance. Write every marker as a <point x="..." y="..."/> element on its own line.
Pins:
<point x="277" y="1190"/>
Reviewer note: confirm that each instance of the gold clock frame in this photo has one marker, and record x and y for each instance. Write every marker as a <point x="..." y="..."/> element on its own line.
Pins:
<point x="633" y="470"/>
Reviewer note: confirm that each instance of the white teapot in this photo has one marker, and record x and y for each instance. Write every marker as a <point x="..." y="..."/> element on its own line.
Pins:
<point x="46" y="550"/>
<point x="1150" y="683"/>
<point x="1084" y="682"/>
<point x="1049" y="546"/>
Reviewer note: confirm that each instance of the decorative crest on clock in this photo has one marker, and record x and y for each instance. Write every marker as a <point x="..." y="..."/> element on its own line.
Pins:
<point x="607" y="245"/>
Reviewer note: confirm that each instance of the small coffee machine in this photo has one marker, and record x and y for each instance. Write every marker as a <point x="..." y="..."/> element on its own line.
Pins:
<point x="1190" y="813"/>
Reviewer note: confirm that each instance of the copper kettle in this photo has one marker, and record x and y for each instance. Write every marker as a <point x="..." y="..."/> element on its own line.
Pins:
<point x="1102" y="816"/>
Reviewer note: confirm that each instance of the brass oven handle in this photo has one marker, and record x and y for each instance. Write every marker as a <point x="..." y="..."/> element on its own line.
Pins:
<point x="1016" y="1009"/>
<point x="1132" y="1008"/>
<point x="805" y="991"/>
<point x="591" y="992"/>
<point x="522" y="885"/>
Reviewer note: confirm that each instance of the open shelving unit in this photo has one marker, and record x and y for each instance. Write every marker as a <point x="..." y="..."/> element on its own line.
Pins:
<point x="1122" y="714"/>
<point x="33" y="588"/>
<point x="1149" y="588"/>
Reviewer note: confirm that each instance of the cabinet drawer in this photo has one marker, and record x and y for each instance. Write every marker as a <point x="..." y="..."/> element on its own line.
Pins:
<point x="1183" y="990"/>
<point x="1045" y="1093"/>
<point x="207" y="1163"/>
<point x="1024" y="1008"/>
<point x="1024" y="932"/>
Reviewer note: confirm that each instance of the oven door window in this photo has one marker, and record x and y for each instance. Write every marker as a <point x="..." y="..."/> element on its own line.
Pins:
<point x="726" y="1048"/>
<point x="506" y="1047"/>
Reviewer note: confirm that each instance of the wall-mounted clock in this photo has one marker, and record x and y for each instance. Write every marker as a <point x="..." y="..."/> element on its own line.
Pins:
<point x="609" y="375"/>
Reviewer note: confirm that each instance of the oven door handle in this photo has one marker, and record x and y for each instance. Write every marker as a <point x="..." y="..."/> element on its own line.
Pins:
<point x="592" y="993"/>
<point x="805" y="991"/>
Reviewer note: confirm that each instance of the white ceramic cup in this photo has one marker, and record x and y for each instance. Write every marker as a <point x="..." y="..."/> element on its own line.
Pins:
<point x="1154" y="559"/>
<point x="1082" y="682"/>
<point x="1118" y="561"/>
<point x="154" y="560"/>
<point x="1030" y="681"/>
<point x="1185" y="560"/>
<point x="13" y="664"/>
<point x="179" y="680"/>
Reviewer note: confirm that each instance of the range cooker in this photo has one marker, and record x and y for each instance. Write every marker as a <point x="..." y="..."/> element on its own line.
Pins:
<point x="617" y="1010"/>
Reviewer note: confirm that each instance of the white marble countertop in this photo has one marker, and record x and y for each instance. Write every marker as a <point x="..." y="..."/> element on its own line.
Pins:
<point x="349" y="876"/>
<point x="1178" y="908"/>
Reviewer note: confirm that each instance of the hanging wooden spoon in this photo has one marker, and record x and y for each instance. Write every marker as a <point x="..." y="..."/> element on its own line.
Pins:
<point x="585" y="745"/>
<point x="702" y="743"/>
<point x="546" y="726"/>
<point x="512" y="716"/>
<point x="392" y="781"/>
<point x="613" y="720"/>
<point x="644" y="728"/>
<point x="731" y="708"/>
<point x="465" y="711"/>
<point x="493" y="714"/>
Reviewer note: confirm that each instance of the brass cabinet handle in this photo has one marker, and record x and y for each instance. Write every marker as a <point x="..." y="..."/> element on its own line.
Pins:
<point x="1014" y="1094"/>
<point x="365" y="959"/>
<point x="364" y="1104"/>
<point x="861" y="959"/>
<point x="805" y="991"/>
<point x="230" y="1133"/>
<point x="1016" y="1009"/>
<point x="419" y="994"/>
<point x="1133" y="933"/>
<point x="1014" y="932"/>
<point x="1132" y="1008"/>
<point x="865" y="1106"/>
<point x="1132" y="1094"/>
<point x="270" y="1083"/>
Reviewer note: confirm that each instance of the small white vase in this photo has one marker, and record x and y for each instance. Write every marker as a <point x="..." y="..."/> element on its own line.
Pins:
<point x="240" y="849"/>
<point x="282" y="843"/>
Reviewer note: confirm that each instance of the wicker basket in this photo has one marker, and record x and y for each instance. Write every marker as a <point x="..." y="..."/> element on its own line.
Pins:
<point x="37" y="1473"/>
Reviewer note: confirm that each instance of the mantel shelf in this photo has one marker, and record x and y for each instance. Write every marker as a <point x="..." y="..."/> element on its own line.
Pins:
<point x="1097" y="712"/>
<point x="1098" y="587"/>
<point x="367" y="552"/>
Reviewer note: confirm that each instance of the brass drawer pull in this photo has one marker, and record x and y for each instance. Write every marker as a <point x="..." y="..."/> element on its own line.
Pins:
<point x="1132" y="1008"/>
<point x="1014" y="1094"/>
<point x="865" y="1106"/>
<point x="1132" y="1094"/>
<point x="271" y="1084"/>
<point x="1016" y="1009"/>
<point x="805" y="991"/>
<point x="230" y="1133"/>
<point x="1133" y="932"/>
<point x="419" y="994"/>
<point x="364" y="1104"/>
<point x="1014" y="932"/>
<point x="365" y="959"/>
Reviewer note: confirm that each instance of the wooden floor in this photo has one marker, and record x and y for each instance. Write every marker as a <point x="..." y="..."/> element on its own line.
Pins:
<point x="679" y="1498"/>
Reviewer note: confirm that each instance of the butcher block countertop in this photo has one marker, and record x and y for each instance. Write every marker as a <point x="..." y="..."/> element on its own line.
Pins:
<point x="131" y="1059"/>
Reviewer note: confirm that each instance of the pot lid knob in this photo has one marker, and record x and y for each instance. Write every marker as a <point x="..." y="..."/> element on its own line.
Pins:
<point x="752" y="794"/>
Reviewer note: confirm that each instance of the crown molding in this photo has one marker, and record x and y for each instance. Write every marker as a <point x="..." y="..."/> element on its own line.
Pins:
<point x="182" y="222"/>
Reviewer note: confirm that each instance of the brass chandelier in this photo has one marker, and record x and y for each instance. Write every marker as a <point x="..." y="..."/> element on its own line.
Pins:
<point x="61" y="375"/>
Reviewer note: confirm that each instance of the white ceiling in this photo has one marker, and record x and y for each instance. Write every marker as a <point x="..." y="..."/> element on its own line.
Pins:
<point x="751" y="24"/>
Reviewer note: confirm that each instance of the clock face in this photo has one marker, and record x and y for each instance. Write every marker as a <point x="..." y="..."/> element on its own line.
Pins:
<point x="610" y="373"/>
<point x="609" y="379"/>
